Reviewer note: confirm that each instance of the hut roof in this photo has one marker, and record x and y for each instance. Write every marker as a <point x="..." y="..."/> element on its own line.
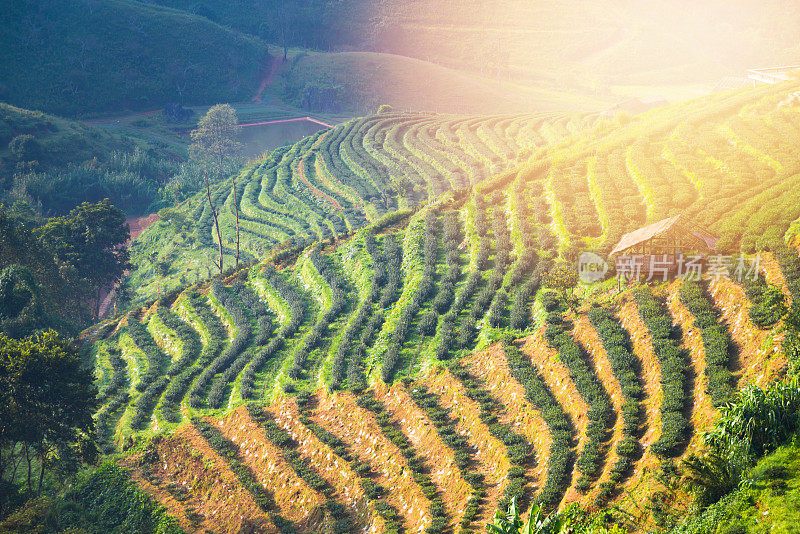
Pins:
<point x="661" y="227"/>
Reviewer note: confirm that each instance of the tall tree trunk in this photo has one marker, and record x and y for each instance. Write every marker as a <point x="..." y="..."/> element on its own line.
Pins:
<point x="28" y="459"/>
<point x="236" y="212"/>
<point x="216" y="221"/>
<point x="96" y="304"/>
<point x="15" y="461"/>
<point x="41" y="473"/>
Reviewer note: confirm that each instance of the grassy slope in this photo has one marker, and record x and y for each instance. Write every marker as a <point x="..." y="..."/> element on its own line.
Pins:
<point x="371" y="79"/>
<point x="61" y="141"/>
<point x="75" y="56"/>
<point x="771" y="503"/>
<point x="589" y="43"/>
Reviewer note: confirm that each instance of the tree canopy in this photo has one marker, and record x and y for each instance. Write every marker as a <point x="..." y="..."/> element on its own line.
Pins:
<point x="88" y="246"/>
<point x="215" y="140"/>
<point x="46" y="403"/>
<point x="21" y="308"/>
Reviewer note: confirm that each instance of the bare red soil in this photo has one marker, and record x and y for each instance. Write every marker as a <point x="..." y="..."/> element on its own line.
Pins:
<point x="297" y="501"/>
<point x="338" y="413"/>
<point x="488" y="452"/>
<point x="586" y="336"/>
<point x="758" y="359"/>
<point x="491" y="366"/>
<point x="196" y="485"/>
<point x="268" y="73"/>
<point x="437" y="456"/>
<point x="556" y="376"/>
<point x="335" y="470"/>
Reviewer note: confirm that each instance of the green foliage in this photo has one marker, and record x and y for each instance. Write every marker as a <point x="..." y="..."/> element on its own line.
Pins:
<point x="415" y="462"/>
<point x="25" y="147"/>
<point x="102" y="500"/>
<point x="757" y="420"/>
<point x="518" y="450"/>
<point x="46" y="404"/>
<point x="22" y="310"/>
<point x="626" y="368"/>
<point x="55" y="164"/>
<point x="131" y="180"/>
<point x="87" y="247"/>
<point x="423" y="291"/>
<point x="230" y="452"/>
<point x="120" y="55"/>
<point x="214" y="375"/>
<point x="317" y="25"/>
<point x="716" y="341"/>
<point x="372" y="491"/>
<point x="591" y="458"/>
<point x="674" y="426"/>
<point x="510" y="522"/>
<point x="215" y="139"/>
<point x="765" y="501"/>
<point x="180" y="369"/>
<point x="152" y="384"/>
<point x="330" y="184"/>
<point x="562" y="432"/>
<point x="64" y="257"/>
<point x="572" y="519"/>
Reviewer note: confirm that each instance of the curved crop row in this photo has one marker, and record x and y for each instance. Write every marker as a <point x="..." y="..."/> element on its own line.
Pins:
<point x="674" y="426"/>
<point x="591" y="458"/>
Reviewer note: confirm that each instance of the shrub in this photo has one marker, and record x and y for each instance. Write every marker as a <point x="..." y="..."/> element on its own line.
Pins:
<point x="716" y="341"/>
<point x="674" y="426"/>
<point x="230" y="452"/>
<point x="518" y="449"/>
<point x="445" y="427"/>
<point x="626" y="369"/>
<point x="590" y="461"/>
<point x="559" y="460"/>
<point x="413" y="460"/>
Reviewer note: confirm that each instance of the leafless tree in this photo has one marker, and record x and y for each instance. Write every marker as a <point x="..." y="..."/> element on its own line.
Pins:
<point x="214" y="214"/>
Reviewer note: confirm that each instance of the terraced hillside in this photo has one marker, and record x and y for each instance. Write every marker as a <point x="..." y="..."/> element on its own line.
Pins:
<point x="420" y="372"/>
<point x="336" y="181"/>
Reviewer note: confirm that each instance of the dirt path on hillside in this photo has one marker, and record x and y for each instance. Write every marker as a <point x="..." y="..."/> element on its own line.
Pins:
<point x="268" y="75"/>
<point x="137" y="226"/>
<point x="338" y="413"/>
<point x="140" y="224"/>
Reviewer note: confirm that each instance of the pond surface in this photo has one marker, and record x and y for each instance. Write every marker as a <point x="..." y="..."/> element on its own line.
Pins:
<point x="262" y="137"/>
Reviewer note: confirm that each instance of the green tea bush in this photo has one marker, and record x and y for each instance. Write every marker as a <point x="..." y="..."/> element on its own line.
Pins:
<point x="716" y="341"/>
<point x="562" y="432"/>
<point x="674" y="426"/>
